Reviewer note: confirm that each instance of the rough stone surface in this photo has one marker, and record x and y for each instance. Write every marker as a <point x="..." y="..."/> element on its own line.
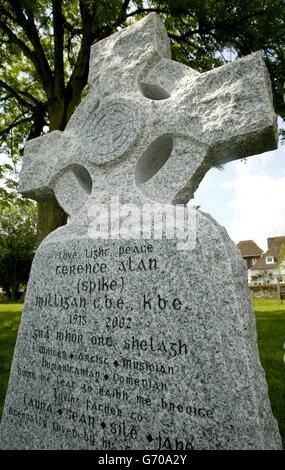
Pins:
<point x="145" y="354"/>
<point x="150" y="117"/>
<point x="142" y="343"/>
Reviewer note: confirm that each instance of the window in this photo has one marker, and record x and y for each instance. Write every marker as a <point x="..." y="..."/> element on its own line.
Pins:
<point x="269" y="259"/>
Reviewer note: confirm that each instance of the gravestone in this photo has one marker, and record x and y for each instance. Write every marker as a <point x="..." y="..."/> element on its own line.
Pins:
<point x="137" y="330"/>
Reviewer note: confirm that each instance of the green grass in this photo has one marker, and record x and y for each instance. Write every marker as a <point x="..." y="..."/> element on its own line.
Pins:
<point x="10" y="315"/>
<point x="270" y="324"/>
<point x="270" y="316"/>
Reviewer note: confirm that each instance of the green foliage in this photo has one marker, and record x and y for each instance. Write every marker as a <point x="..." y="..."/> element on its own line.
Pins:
<point x="45" y="48"/>
<point x="17" y="242"/>
<point x="264" y="276"/>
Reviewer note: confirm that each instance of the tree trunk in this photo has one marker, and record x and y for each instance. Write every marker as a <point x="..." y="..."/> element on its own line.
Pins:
<point x="14" y="292"/>
<point x="50" y="217"/>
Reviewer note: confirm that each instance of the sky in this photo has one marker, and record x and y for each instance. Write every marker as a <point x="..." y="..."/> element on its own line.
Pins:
<point x="247" y="197"/>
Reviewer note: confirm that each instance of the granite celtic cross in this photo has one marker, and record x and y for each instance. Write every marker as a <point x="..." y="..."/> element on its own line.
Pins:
<point x="150" y="127"/>
<point x="141" y="342"/>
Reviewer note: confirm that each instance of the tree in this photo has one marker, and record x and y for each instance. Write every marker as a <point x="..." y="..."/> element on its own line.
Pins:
<point x="45" y="50"/>
<point x="281" y="261"/>
<point x="17" y="243"/>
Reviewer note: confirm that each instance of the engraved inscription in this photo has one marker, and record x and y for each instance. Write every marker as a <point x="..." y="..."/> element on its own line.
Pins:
<point x="106" y="367"/>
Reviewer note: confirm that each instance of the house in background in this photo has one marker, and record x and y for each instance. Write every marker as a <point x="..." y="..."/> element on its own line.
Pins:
<point x="250" y="252"/>
<point x="269" y="268"/>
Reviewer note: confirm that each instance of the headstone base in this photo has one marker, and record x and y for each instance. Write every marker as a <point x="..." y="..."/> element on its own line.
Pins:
<point x="133" y="344"/>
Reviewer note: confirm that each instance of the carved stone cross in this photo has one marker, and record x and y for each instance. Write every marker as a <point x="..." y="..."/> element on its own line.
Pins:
<point x="150" y="127"/>
<point x="141" y="335"/>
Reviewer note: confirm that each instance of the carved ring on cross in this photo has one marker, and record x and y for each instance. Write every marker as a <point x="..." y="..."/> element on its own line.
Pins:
<point x="112" y="130"/>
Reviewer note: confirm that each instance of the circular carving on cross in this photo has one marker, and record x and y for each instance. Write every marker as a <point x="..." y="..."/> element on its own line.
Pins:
<point x="112" y="130"/>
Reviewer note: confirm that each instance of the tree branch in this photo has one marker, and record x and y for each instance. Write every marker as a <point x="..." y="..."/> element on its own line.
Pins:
<point x="185" y="39"/>
<point x="71" y="29"/>
<point x="121" y="18"/>
<point x="16" y="95"/>
<point x="252" y="15"/>
<point x="123" y="14"/>
<point x="18" y="42"/>
<point x="29" y="27"/>
<point x="38" y="118"/>
<point x="79" y="75"/>
<point x="31" y="97"/>
<point x="15" y="123"/>
<point x="58" y="31"/>
<point x="148" y="10"/>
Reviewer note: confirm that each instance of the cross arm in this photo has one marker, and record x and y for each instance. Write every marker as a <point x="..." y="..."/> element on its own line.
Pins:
<point x="210" y="119"/>
<point x="52" y="169"/>
<point x="39" y="163"/>
<point x="119" y="60"/>
<point x="232" y="110"/>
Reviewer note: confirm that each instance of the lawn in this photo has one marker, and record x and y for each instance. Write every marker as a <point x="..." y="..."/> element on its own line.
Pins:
<point x="10" y="315"/>
<point x="270" y="323"/>
<point x="270" y="316"/>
